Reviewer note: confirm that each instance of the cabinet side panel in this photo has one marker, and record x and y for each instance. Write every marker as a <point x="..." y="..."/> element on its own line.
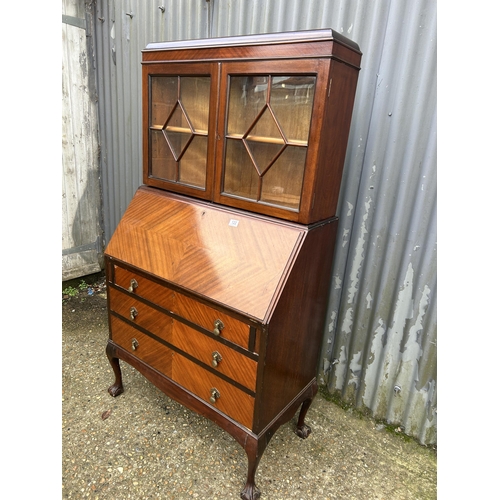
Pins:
<point x="334" y="137"/>
<point x="296" y="328"/>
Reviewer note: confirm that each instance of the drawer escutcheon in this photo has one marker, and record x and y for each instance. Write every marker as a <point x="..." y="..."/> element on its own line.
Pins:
<point x="135" y="344"/>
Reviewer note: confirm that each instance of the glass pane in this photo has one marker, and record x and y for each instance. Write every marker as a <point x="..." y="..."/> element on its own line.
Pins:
<point x="240" y="176"/>
<point x="282" y="183"/>
<point x="265" y="128"/>
<point x="291" y="100"/>
<point x="163" y="98"/>
<point x="263" y="153"/>
<point x="247" y="97"/>
<point x="163" y="164"/>
<point x="178" y="132"/>
<point x="264" y="141"/>
<point x="192" y="166"/>
<point x="195" y="98"/>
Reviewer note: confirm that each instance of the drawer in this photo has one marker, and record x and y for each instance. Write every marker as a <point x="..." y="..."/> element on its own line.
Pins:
<point x="208" y="318"/>
<point x="147" y="349"/>
<point x="231" y="400"/>
<point x="143" y="287"/>
<point x="231" y="363"/>
<point x="200" y="314"/>
<point x="141" y="314"/>
<point x="225" y="360"/>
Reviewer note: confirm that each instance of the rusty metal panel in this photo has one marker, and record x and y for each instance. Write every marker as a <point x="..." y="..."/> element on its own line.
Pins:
<point x="380" y="344"/>
<point x="82" y="251"/>
<point x="379" y="350"/>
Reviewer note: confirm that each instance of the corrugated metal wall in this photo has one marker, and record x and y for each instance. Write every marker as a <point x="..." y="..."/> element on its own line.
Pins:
<point x="82" y="249"/>
<point x="379" y="350"/>
<point x="380" y="347"/>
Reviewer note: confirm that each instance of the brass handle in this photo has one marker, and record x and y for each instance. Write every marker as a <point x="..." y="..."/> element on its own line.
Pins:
<point x="216" y="359"/>
<point x="218" y="326"/>
<point x="215" y="395"/>
<point x="133" y="285"/>
<point x="135" y="344"/>
<point x="133" y="313"/>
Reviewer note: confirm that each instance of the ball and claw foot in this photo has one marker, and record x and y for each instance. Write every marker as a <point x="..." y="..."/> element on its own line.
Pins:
<point x="115" y="390"/>
<point x="250" y="492"/>
<point x="303" y="431"/>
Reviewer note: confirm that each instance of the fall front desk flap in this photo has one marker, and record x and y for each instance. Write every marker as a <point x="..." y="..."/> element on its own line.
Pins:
<point x="237" y="259"/>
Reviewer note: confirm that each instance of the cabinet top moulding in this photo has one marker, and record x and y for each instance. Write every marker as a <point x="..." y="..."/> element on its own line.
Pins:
<point x="292" y="44"/>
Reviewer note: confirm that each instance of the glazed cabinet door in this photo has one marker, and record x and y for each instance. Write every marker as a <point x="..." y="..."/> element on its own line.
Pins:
<point x="180" y="104"/>
<point x="267" y="140"/>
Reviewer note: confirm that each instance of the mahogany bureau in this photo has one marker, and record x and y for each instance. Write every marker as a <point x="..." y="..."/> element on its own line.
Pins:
<point x="219" y="271"/>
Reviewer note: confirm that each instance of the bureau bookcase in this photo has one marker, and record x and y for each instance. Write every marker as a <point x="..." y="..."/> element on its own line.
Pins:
<point x="219" y="271"/>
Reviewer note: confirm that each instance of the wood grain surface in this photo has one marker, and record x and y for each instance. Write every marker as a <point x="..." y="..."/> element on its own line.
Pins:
<point x="233" y="364"/>
<point x="144" y="315"/>
<point x="233" y="402"/>
<point x="230" y="257"/>
<point x="148" y="350"/>
<point x="193" y="311"/>
<point x="205" y="316"/>
<point x="146" y="288"/>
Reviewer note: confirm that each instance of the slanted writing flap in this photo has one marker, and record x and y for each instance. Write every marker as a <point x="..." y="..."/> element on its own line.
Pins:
<point x="239" y="260"/>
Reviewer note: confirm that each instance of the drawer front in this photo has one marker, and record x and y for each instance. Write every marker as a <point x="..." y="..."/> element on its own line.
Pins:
<point x="211" y="319"/>
<point x="231" y="401"/>
<point x="231" y="363"/>
<point x="224" y="359"/>
<point x="145" y="348"/>
<point x="141" y="314"/>
<point x="208" y="318"/>
<point x="147" y="289"/>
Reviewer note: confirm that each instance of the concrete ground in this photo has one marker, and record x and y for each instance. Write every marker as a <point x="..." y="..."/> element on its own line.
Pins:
<point x="143" y="445"/>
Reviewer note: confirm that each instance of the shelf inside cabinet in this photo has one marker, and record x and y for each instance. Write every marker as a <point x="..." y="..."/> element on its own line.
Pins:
<point x="267" y="140"/>
<point x="180" y="130"/>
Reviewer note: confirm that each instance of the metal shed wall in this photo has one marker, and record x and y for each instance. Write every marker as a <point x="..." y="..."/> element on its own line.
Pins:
<point x="379" y="350"/>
